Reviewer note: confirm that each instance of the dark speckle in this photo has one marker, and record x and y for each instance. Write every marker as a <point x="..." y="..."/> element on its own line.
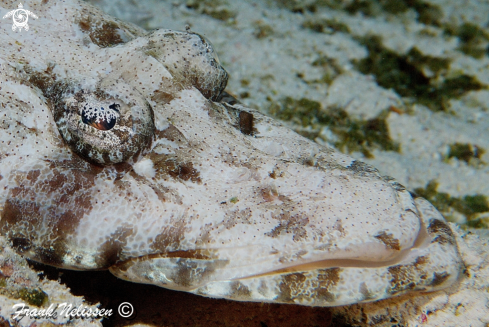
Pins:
<point x="185" y="171"/>
<point x="362" y="169"/>
<point x="442" y="231"/>
<point x="439" y="279"/>
<point x="246" y="122"/>
<point x="21" y="244"/>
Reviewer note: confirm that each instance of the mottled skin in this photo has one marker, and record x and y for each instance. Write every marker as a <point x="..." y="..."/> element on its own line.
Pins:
<point x="190" y="190"/>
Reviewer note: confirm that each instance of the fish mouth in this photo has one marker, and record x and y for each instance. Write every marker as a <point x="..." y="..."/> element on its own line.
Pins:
<point x="203" y="267"/>
<point x="402" y="257"/>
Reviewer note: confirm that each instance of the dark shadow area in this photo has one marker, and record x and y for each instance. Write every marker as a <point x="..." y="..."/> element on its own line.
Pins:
<point x="161" y="307"/>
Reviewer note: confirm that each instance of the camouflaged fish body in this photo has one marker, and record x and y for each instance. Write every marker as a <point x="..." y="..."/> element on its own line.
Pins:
<point x="119" y="151"/>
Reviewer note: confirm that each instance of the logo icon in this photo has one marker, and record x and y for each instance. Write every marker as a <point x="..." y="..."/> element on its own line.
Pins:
<point x="20" y="17"/>
<point x="125" y="309"/>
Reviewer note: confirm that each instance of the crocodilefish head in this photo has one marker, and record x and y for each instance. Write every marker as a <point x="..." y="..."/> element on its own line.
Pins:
<point x="121" y="150"/>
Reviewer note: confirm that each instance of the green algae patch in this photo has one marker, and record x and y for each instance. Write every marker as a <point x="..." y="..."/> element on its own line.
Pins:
<point x="415" y="75"/>
<point x="465" y="152"/>
<point x="302" y="6"/>
<point x="328" y="26"/>
<point x="262" y="30"/>
<point x="473" y="39"/>
<point x="217" y="9"/>
<point x="353" y="135"/>
<point x="471" y="206"/>
<point x="481" y="223"/>
<point x="428" y="14"/>
<point x="366" y="7"/>
<point x="35" y="296"/>
<point x="331" y="69"/>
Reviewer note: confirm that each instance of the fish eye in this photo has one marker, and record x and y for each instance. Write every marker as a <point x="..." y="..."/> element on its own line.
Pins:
<point x="106" y="123"/>
<point x="99" y="117"/>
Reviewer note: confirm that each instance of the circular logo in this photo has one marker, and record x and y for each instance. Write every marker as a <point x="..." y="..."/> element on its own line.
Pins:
<point x="125" y="309"/>
<point x="20" y="17"/>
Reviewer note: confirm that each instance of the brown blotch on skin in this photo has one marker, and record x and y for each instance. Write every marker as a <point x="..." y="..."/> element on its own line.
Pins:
<point x="110" y="251"/>
<point x="290" y="224"/>
<point x="269" y="194"/>
<point x="389" y="241"/>
<point x="237" y="217"/>
<point x="162" y="97"/>
<point x="442" y="231"/>
<point x="122" y="168"/>
<point x="84" y="25"/>
<point x="166" y="165"/>
<point x="246" y="122"/>
<point x="401" y="279"/>
<point x="160" y="191"/>
<point x="33" y="175"/>
<point x="169" y="238"/>
<point x="308" y="162"/>
<point x="185" y="171"/>
<point x="420" y="261"/>
<point x="107" y="35"/>
<point x="274" y="174"/>
<point x="325" y="295"/>
<point x="47" y="226"/>
<point x="42" y="80"/>
<point x="327" y="278"/>
<point x="13" y="215"/>
<point x="171" y="133"/>
<point x="339" y="227"/>
<point x="290" y="286"/>
<point x="239" y="291"/>
<point x="439" y="278"/>
<point x="293" y="285"/>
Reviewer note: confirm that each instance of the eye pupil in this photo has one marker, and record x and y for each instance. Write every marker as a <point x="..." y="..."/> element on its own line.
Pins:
<point x="103" y="120"/>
